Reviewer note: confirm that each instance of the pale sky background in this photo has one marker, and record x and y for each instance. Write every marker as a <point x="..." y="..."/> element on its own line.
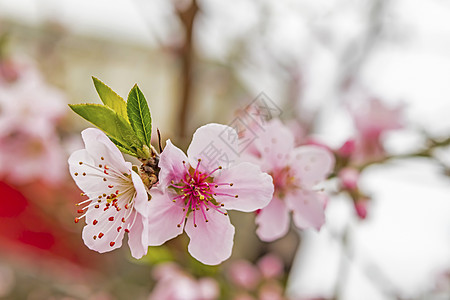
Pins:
<point x="407" y="234"/>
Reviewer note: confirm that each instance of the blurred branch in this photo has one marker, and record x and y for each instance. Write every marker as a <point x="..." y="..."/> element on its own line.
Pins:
<point x="427" y="152"/>
<point x="187" y="18"/>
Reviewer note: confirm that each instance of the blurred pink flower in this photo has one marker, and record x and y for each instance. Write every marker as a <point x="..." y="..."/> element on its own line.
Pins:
<point x="174" y="284"/>
<point x="270" y="266"/>
<point x="29" y="111"/>
<point x="201" y="187"/>
<point x="349" y="178"/>
<point x="25" y="157"/>
<point x="295" y="172"/>
<point x="372" y="118"/>
<point x="244" y="274"/>
<point x="118" y="200"/>
<point x="347" y="149"/>
<point x="361" y="207"/>
<point x="271" y="291"/>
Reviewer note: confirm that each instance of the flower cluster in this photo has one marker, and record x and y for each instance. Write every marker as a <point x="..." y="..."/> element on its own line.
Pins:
<point x="296" y="171"/>
<point x="172" y="193"/>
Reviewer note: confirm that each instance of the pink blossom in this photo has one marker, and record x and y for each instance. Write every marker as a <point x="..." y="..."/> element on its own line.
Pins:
<point x="117" y="198"/>
<point x="29" y="112"/>
<point x="271" y="266"/>
<point x="174" y="284"/>
<point x="244" y="274"/>
<point x="271" y="291"/>
<point x="361" y="208"/>
<point x="295" y="173"/>
<point x="197" y="190"/>
<point x="25" y="157"/>
<point x="349" y="178"/>
<point x="372" y="118"/>
<point x="347" y="149"/>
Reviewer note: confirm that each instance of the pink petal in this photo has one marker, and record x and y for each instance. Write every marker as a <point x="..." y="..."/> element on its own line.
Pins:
<point x="211" y="242"/>
<point x="275" y="144"/>
<point x="90" y="183"/>
<point x="216" y="145"/>
<point x="171" y="164"/>
<point x="311" y="164"/>
<point x="138" y="237"/>
<point x="164" y="215"/>
<point x="141" y="197"/>
<point x="307" y="209"/>
<point x="99" y="145"/>
<point x="104" y="231"/>
<point x="253" y="187"/>
<point x="272" y="221"/>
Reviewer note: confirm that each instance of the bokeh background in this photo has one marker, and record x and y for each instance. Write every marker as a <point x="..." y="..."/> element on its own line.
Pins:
<point x="200" y="62"/>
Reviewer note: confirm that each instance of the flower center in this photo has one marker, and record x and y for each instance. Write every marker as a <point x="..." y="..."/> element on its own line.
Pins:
<point x="283" y="181"/>
<point x="196" y="193"/>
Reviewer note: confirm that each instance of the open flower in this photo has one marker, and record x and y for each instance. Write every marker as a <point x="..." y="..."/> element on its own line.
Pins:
<point x="295" y="172"/>
<point x="118" y="200"/>
<point x="200" y="188"/>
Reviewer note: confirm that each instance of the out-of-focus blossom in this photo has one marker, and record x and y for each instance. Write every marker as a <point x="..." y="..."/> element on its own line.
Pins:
<point x="361" y="207"/>
<point x="349" y="178"/>
<point x="174" y="284"/>
<point x="244" y="274"/>
<point x="298" y="131"/>
<point x="118" y="200"/>
<point x="26" y="156"/>
<point x="271" y="291"/>
<point x="270" y="266"/>
<point x="347" y="149"/>
<point x="29" y="112"/>
<point x="295" y="172"/>
<point x="200" y="188"/>
<point x="372" y="118"/>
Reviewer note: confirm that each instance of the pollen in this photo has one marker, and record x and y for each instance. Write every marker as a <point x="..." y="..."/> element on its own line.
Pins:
<point x="76" y="174"/>
<point x="111" y="244"/>
<point x="111" y="219"/>
<point x="95" y="222"/>
<point x="100" y="235"/>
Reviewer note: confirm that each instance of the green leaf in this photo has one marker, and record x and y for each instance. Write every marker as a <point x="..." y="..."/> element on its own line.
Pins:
<point x="113" y="124"/>
<point x="110" y="98"/>
<point x="139" y="115"/>
<point x="121" y="147"/>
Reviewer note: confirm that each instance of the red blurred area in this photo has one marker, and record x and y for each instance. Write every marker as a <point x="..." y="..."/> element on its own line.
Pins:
<point x="25" y="227"/>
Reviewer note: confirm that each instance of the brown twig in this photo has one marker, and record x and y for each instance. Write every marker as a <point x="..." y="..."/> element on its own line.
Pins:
<point x="187" y="17"/>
